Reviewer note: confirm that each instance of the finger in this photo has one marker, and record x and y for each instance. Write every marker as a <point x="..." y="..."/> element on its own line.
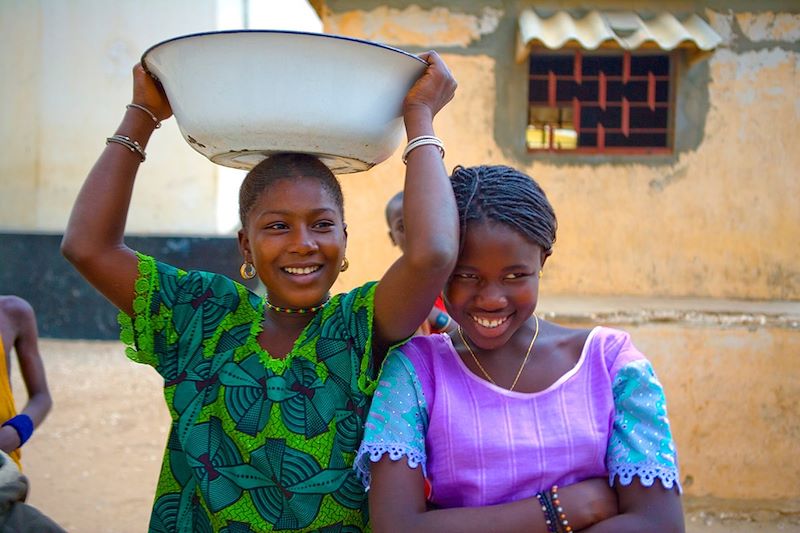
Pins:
<point x="424" y="56"/>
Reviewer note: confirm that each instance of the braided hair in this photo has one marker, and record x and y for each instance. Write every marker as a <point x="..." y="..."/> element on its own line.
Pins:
<point x="286" y="166"/>
<point x="505" y="195"/>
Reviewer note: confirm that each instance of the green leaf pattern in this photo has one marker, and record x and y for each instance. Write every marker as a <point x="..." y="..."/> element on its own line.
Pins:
<point x="256" y="444"/>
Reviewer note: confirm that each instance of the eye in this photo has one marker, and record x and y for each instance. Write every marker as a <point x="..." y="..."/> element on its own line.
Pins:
<point x="324" y="225"/>
<point x="464" y="276"/>
<point x="276" y="226"/>
<point x="517" y="275"/>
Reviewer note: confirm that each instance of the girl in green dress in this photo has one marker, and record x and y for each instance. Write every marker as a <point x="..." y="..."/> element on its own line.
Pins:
<point x="267" y="395"/>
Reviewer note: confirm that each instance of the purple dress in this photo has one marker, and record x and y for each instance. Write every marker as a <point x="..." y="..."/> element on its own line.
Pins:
<point x="479" y="444"/>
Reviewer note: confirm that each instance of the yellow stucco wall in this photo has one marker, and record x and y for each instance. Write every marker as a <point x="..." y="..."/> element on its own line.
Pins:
<point x="720" y="220"/>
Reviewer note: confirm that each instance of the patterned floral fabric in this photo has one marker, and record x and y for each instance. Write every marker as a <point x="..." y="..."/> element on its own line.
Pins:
<point x="256" y="443"/>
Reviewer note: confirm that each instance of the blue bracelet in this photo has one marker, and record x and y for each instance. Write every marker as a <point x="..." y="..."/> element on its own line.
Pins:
<point x="24" y="426"/>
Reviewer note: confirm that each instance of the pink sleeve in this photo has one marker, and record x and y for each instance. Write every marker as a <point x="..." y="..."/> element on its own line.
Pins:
<point x="421" y="352"/>
<point x="617" y="349"/>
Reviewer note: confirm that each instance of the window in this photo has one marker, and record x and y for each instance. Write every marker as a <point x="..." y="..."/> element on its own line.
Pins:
<point x="602" y="102"/>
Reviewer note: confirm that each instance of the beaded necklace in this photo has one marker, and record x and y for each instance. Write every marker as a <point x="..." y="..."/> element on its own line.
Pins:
<point x="295" y="311"/>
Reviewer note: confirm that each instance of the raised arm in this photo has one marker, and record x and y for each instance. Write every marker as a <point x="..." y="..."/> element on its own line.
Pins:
<point x="406" y="292"/>
<point x="93" y="241"/>
<point x="25" y="340"/>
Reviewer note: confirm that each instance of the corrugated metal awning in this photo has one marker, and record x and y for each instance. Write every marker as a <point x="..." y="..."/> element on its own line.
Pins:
<point x="621" y="29"/>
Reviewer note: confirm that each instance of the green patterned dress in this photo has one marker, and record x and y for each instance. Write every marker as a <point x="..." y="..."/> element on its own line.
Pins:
<point x="256" y="443"/>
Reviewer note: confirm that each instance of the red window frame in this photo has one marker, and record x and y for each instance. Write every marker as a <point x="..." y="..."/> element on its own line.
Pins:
<point x="622" y="103"/>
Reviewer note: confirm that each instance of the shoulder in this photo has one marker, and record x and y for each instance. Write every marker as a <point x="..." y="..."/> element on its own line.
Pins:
<point x="361" y="295"/>
<point x="15" y="309"/>
<point x="615" y="347"/>
<point x="425" y="347"/>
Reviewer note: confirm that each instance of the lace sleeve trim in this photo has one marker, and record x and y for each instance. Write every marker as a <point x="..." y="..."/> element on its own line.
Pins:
<point x="136" y="331"/>
<point x="375" y="452"/>
<point x="647" y="474"/>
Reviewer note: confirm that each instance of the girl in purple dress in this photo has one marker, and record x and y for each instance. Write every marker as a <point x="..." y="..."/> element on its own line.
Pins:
<point x="514" y="423"/>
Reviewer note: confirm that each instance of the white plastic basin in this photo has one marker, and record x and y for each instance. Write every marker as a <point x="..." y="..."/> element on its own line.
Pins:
<point x="239" y="96"/>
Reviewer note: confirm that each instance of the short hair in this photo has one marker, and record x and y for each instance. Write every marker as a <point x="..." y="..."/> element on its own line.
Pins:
<point x="286" y="166"/>
<point x="505" y="195"/>
<point x="398" y="197"/>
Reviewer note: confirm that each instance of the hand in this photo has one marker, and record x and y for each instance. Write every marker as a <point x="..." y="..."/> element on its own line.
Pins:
<point x="588" y="502"/>
<point x="433" y="89"/>
<point x="9" y="439"/>
<point x="148" y="92"/>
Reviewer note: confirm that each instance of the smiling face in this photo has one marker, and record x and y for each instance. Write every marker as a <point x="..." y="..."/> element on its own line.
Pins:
<point x="495" y="284"/>
<point x="295" y="237"/>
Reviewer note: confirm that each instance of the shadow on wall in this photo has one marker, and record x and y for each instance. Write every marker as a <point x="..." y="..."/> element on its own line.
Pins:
<point x="66" y="306"/>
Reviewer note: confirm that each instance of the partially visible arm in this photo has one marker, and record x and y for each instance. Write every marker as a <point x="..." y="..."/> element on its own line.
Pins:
<point x="641" y="447"/>
<point x="440" y="322"/>
<point x="93" y="241"/>
<point x="397" y="504"/>
<point x="26" y="344"/>
<point x="406" y="292"/>
<point x="654" y="509"/>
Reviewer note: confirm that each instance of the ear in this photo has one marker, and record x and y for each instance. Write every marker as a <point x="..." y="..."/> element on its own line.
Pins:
<point x="545" y="255"/>
<point x="391" y="238"/>
<point x="244" y="245"/>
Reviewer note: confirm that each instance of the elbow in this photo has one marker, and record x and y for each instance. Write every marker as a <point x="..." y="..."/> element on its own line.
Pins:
<point x="75" y="250"/>
<point x="438" y="258"/>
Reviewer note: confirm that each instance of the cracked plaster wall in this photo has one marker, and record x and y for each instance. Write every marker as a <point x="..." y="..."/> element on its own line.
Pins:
<point x="718" y="219"/>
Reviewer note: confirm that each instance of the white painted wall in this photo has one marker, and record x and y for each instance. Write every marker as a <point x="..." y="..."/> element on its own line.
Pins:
<point x="66" y="79"/>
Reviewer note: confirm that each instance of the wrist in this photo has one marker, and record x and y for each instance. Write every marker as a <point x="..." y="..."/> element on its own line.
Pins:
<point x="418" y="119"/>
<point x="23" y="425"/>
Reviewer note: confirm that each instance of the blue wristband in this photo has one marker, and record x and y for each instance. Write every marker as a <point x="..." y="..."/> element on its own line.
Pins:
<point x="441" y="322"/>
<point x="24" y="426"/>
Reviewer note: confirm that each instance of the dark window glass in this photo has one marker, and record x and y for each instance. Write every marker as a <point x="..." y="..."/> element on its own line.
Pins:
<point x="635" y="92"/>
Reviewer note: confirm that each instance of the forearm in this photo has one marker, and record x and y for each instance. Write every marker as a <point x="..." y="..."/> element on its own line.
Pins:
<point x="37" y="407"/>
<point x="634" y="523"/>
<point x="429" y="209"/>
<point x="98" y="217"/>
<point x="522" y="516"/>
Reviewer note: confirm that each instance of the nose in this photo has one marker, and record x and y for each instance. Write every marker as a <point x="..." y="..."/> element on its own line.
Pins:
<point x="491" y="297"/>
<point x="303" y="242"/>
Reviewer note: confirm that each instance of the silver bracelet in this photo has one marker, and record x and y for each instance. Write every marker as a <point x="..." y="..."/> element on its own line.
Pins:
<point x="128" y="143"/>
<point x="422" y="140"/>
<point x="143" y="108"/>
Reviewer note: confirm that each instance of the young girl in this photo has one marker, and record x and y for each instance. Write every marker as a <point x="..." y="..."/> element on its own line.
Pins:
<point x="267" y="395"/>
<point x="498" y="418"/>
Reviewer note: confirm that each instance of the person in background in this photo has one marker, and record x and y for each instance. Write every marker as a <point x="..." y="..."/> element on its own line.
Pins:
<point x="511" y="422"/>
<point x="18" y="333"/>
<point x="438" y="320"/>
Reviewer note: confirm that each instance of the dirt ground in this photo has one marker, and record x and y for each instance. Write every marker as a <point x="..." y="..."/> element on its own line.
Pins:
<point x="94" y="463"/>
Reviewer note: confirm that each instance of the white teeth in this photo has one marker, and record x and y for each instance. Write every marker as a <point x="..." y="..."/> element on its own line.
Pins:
<point x="303" y="270"/>
<point x="487" y="323"/>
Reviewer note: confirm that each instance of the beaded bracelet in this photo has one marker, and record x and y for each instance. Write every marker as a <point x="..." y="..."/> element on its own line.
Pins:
<point x="422" y="140"/>
<point x="550" y="519"/>
<point x="561" y="518"/>
<point x="129" y="143"/>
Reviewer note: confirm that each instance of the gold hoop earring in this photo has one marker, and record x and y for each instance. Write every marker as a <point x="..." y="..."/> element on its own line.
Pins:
<point x="345" y="265"/>
<point x="541" y="273"/>
<point x="247" y="270"/>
